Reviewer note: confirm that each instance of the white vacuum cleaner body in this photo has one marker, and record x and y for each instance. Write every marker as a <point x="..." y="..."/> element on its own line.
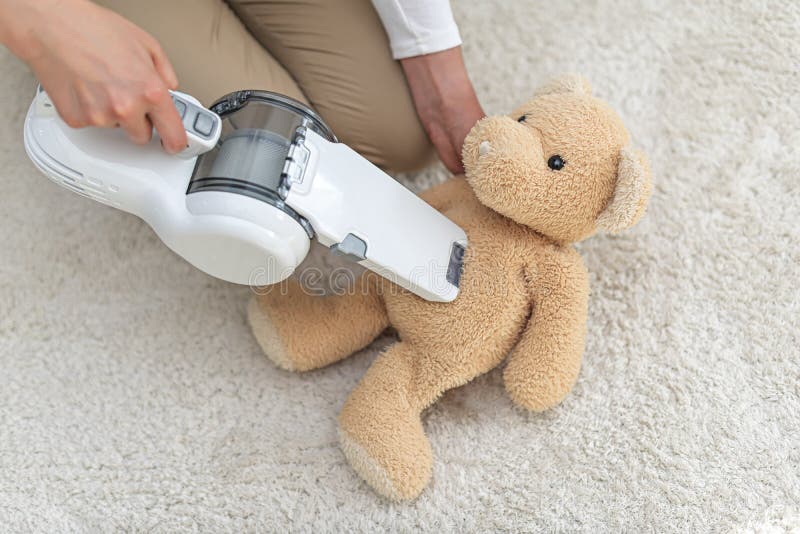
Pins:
<point x="261" y="177"/>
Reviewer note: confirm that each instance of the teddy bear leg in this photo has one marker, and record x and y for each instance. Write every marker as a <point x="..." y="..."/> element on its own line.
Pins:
<point x="299" y="331"/>
<point x="380" y="429"/>
<point x="380" y="425"/>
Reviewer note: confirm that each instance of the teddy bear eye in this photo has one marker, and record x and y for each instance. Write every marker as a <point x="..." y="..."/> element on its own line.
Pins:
<point x="556" y="163"/>
<point x="522" y="118"/>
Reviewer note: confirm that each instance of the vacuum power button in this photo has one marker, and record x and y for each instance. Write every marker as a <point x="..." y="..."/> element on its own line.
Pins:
<point x="204" y="124"/>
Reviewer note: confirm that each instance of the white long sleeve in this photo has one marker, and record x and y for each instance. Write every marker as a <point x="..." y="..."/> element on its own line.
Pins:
<point x="417" y="27"/>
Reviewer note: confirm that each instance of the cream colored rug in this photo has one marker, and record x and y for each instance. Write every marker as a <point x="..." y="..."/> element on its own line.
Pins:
<point x="132" y="396"/>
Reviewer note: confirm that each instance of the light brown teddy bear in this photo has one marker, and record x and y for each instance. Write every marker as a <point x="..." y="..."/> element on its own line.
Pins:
<point x="554" y="172"/>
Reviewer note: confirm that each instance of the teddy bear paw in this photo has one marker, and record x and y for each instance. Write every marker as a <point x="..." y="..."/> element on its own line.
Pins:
<point x="367" y="467"/>
<point x="398" y="471"/>
<point x="389" y="476"/>
<point x="267" y="335"/>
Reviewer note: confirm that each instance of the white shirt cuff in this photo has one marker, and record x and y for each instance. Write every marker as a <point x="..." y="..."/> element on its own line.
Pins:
<point x="417" y="27"/>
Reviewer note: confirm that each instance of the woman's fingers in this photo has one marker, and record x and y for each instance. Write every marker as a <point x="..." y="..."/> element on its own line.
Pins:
<point x="138" y="128"/>
<point x="136" y="109"/>
<point x="166" y="120"/>
<point x="69" y="108"/>
<point x="444" y="148"/>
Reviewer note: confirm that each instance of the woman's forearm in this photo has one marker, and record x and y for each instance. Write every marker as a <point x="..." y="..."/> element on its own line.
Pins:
<point x="17" y="18"/>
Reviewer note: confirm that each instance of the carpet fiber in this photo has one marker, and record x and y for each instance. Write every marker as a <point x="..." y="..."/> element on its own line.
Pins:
<point x="133" y="397"/>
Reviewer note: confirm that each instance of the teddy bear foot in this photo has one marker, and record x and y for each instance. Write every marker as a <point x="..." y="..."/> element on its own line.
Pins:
<point x="367" y="467"/>
<point x="400" y="476"/>
<point x="267" y="336"/>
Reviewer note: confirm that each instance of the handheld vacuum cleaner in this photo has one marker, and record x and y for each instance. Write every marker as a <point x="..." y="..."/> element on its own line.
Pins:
<point x="262" y="176"/>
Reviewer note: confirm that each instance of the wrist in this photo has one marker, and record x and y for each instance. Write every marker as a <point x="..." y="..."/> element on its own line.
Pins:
<point x="443" y="72"/>
<point x="24" y="23"/>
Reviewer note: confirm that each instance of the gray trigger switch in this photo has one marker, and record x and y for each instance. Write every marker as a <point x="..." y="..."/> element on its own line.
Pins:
<point x="352" y="247"/>
<point x="180" y="106"/>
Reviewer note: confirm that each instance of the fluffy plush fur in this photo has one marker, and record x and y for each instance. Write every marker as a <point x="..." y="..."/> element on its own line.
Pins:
<point x="524" y="289"/>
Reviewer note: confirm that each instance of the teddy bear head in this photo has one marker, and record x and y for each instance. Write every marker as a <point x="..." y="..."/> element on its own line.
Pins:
<point x="560" y="164"/>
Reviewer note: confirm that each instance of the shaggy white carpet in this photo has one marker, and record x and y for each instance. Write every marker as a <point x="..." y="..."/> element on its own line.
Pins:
<point x="133" y="397"/>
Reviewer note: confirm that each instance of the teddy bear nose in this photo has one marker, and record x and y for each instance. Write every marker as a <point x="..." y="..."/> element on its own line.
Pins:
<point x="484" y="148"/>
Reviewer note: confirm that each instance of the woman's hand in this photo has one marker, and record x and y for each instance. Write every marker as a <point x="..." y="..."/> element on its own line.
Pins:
<point x="98" y="68"/>
<point x="445" y="100"/>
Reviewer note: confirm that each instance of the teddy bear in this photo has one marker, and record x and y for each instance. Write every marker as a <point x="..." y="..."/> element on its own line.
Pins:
<point x="555" y="171"/>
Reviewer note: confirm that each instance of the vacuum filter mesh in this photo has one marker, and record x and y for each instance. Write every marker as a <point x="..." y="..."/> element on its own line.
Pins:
<point x="255" y="156"/>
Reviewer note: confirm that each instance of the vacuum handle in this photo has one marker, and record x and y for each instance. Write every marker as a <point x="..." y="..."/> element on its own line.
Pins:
<point x="202" y="126"/>
<point x="102" y="163"/>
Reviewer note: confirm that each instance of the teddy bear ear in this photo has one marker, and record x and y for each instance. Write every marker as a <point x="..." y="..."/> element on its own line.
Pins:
<point x="568" y="83"/>
<point x="634" y="184"/>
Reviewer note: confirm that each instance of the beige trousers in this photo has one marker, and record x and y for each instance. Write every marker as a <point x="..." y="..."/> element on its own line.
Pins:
<point x="333" y="55"/>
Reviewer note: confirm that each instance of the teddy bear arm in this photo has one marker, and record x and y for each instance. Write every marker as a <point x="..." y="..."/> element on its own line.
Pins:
<point x="544" y="365"/>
